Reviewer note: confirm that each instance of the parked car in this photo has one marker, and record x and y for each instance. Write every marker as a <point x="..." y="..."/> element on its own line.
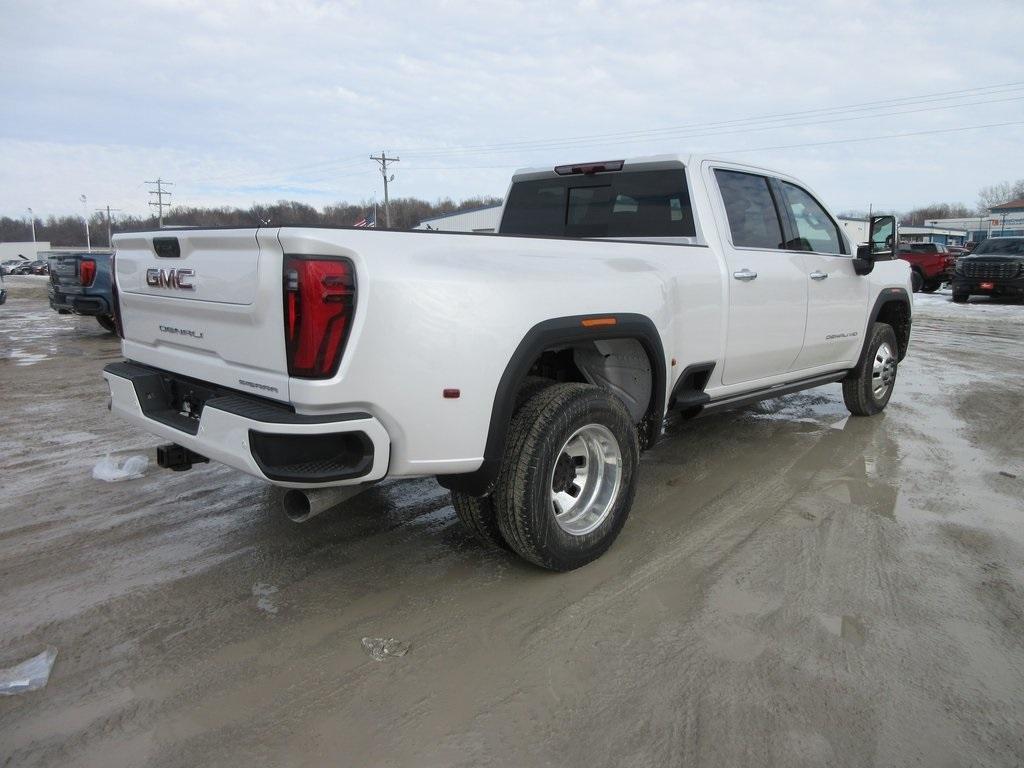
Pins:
<point x="39" y="267"/>
<point x="528" y="369"/>
<point x="996" y="268"/>
<point x="931" y="265"/>
<point x="7" y="267"/>
<point x="3" y="289"/>
<point x="81" y="283"/>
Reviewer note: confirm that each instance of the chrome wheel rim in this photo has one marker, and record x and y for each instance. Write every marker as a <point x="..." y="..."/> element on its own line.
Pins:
<point x="883" y="370"/>
<point x="584" y="482"/>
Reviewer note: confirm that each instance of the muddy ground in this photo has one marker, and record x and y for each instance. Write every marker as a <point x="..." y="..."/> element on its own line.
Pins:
<point x="793" y="588"/>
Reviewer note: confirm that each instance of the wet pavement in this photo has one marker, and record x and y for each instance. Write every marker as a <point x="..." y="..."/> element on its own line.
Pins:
<point x="793" y="588"/>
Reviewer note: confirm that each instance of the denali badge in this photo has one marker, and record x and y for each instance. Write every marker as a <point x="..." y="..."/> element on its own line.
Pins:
<point x="181" y="331"/>
<point x="170" y="278"/>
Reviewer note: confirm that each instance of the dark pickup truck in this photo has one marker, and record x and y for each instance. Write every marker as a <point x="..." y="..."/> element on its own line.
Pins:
<point x="80" y="283"/>
<point x="995" y="268"/>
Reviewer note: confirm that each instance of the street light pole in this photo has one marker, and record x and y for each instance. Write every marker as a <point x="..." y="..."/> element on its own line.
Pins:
<point x="85" y="216"/>
<point x="32" y="221"/>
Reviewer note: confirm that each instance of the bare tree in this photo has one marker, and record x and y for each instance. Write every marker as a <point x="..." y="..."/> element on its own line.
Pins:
<point x="1003" y="192"/>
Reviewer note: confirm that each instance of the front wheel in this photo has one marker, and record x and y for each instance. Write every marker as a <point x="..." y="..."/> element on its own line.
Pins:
<point x="568" y="476"/>
<point x="866" y="391"/>
<point x="107" y="323"/>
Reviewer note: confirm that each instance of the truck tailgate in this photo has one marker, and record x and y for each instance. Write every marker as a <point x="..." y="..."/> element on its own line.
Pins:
<point x="206" y="304"/>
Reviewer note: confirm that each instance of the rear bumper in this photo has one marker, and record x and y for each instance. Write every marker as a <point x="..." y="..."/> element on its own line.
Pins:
<point x="80" y="304"/>
<point x="258" y="437"/>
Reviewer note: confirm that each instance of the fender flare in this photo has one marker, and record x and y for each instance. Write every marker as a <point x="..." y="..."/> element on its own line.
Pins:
<point x="544" y="335"/>
<point x="886" y="296"/>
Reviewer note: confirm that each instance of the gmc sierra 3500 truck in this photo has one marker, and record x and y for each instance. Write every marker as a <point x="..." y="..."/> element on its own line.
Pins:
<point x="525" y="369"/>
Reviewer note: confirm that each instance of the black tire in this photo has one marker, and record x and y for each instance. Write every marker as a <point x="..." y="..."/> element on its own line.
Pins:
<point x="931" y="286"/>
<point x="107" y="322"/>
<point x="916" y="281"/>
<point x="859" y="387"/>
<point x="536" y="438"/>
<point x="961" y="297"/>
<point x="477" y="512"/>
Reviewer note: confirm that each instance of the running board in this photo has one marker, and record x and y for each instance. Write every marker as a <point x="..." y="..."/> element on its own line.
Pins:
<point x="787" y="388"/>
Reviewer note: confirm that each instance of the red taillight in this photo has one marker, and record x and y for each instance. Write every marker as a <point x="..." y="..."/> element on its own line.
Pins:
<point x="86" y="272"/>
<point x="319" y="301"/>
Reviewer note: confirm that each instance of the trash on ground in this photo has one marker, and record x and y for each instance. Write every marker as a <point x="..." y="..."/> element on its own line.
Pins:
<point x="1010" y="475"/>
<point x="264" y="594"/>
<point x="109" y="470"/>
<point x="380" y="649"/>
<point x="28" y="676"/>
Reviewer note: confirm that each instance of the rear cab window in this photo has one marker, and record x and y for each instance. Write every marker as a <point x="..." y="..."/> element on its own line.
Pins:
<point x="619" y="204"/>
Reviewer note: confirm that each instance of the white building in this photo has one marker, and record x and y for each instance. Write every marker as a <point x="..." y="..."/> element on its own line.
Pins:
<point x="473" y="220"/>
<point x="27" y="249"/>
<point x="933" y="234"/>
<point x="1006" y="220"/>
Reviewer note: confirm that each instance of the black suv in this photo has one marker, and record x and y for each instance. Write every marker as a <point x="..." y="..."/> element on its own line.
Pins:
<point x="995" y="268"/>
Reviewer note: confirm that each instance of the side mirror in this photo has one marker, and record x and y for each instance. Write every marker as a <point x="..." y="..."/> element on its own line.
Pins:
<point x="882" y="237"/>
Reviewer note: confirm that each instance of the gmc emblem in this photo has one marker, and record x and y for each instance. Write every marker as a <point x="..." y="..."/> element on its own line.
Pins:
<point x="170" y="278"/>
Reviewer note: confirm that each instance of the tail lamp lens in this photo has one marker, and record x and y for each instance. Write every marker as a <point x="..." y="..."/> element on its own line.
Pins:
<point x="86" y="272"/>
<point x="319" y="302"/>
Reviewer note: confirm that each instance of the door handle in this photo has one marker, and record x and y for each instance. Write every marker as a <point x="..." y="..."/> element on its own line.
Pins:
<point x="745" y="275"/>
<point x="818" y="275"/>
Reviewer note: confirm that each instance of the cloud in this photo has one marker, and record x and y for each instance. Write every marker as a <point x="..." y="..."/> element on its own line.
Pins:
<point x="243" y="101"/>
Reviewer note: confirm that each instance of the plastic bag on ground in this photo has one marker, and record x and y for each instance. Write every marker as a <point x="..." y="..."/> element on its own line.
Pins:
<point x="380" y="648"/>
<point x="28" y="676"/>
<point x="109" y="470"/>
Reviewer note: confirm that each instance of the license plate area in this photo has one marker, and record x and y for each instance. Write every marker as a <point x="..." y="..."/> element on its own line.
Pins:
<point x="176" y="402"/>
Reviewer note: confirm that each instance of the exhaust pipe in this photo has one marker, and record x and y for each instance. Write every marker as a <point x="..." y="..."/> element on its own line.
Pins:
<point x="301" y="504"/>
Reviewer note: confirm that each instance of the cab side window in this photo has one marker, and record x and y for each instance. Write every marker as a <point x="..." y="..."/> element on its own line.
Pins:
<point x="815" y="229"/>
<point x="753" y="220"/>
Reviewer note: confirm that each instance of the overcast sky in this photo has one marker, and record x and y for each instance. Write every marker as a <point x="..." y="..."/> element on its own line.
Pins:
<point x="237" y="102"/>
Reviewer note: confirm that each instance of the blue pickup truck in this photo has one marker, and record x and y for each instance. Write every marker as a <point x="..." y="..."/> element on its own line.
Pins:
<point x="81" y="283"/>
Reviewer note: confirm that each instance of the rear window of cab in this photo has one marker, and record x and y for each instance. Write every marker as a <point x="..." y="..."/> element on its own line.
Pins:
<point x="621" y="204"/>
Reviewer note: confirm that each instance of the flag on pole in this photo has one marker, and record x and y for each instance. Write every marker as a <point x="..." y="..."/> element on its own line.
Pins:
<point x="366" y="221"/>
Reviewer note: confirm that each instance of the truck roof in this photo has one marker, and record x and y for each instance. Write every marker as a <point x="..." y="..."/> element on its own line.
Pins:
<point x="642" y="163"/>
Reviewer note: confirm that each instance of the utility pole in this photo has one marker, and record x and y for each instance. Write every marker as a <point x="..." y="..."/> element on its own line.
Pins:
<point x="109" y="210"/>
<point x="383" y="161"/>
<point x="160" y="193"/>
<point x="32" y="221"/>
<point x="85" y="218"/>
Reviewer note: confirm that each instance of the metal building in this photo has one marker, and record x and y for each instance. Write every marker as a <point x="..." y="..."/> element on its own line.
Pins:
<point x="473" y="220"/>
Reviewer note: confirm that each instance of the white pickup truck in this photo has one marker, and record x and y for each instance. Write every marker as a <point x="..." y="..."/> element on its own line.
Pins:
<point x="526" y="369"/>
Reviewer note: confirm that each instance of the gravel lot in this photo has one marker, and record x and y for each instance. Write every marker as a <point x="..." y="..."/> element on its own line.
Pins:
<point x="793" y="588"/>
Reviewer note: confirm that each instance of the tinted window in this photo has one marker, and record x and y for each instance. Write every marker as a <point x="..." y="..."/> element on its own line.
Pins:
<point x="750" y="209"/>
<point x="1010" y="246"/>
<point x="815" y="230"/>
<point x="625" y="204"/>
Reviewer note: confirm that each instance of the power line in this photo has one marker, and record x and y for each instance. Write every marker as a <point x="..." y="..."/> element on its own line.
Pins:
<point x="160" y="193"/>
<point x="870" y="138"/>
<point x="383" y="161"/>
<point x="823" y="111"/>
<point x="693" y="134"/>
